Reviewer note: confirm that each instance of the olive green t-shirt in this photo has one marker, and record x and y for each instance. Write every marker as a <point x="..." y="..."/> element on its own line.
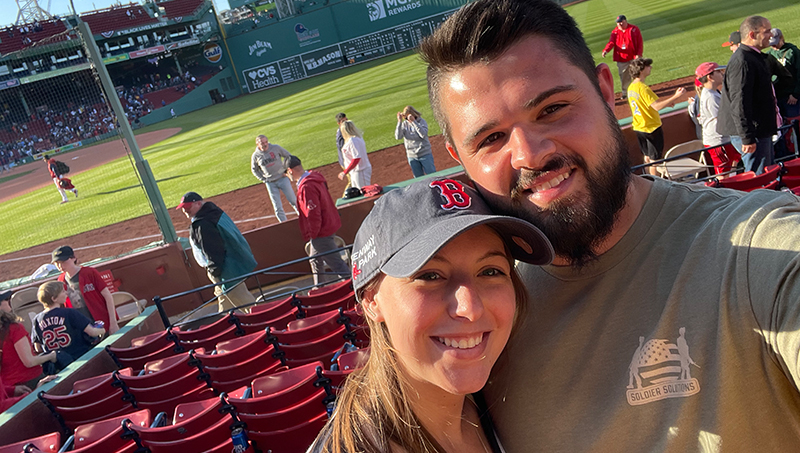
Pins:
<point x="683" y="337"/>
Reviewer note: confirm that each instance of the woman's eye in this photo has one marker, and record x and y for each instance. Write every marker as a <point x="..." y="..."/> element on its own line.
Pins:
<point x="493" y="272"/>
<point x="427" y="276"/>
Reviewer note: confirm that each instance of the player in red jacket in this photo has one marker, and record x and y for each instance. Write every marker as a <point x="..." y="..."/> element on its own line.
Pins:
<point x="62" y="182"/>
<point x="626" y="41"/>
<point x="319" y="218"/>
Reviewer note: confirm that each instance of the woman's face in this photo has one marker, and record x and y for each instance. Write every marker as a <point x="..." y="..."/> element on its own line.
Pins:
<point x="451" y="320"/>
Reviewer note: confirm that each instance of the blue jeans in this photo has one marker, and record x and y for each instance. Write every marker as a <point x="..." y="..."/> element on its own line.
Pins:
<point x="422" y="166"/>
<point x="763" y="156"/>
<point x="275" y="188"/>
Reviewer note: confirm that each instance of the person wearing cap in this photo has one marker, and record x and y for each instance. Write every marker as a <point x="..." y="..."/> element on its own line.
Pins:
<point x="636" y="256"/>
<point x="341" y="117"/>
<point x="86" y="290"/>
<point x="788" y="56"/>
<point x="268" y="164"/>
<point x="748" y="110"/>
<point x="627" y="44"/>
<point x="219" y="247"/>
<point x="62" y="182"/>
<point x="441" y="297"/>
<point x="723" y="154"/>
<point x="644" y="111"/>
<point x="734" y="41"/>
<point x="318" y="218"/>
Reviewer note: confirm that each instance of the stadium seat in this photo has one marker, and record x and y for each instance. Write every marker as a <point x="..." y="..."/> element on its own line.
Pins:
<point x="189" y="419"/>
<point x="292" y="440"/>
<point x="321" y="349"/>
<point x="137" y="363"/>
<point x="206" y="331"/>
<point x="268" y="311"/>
<point x="216" y="437"/>
<point x="353" y="360"/>
<point x="279" y="390"/>
<point x="277" y="323"/>
<point x="127" y="306"/>
<point x="308" y="329"/>
<point x="334" y="290"/>
<point x="749" y="181"/>
<point x="296" y="414"/>
<point x="109" y="435"/>
<point x="143" y="346"/>
<point x="228" y="378"/>
<point x="234" y="351"/>
<point x="346" y="303"/>
<point x="90" y="390"/>
<point x="161" y="372"/>
<point x="49" y="443"/>
<point x="324" y="297"/>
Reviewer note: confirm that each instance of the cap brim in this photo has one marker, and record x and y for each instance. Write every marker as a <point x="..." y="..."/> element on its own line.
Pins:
<point x="525" y="241"/>
<point x="182" y="205"/>
<point x="727" y="44"/>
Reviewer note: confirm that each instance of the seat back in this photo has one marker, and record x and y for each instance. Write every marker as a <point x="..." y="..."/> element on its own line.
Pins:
<point x="127" y="306"/>
<point x="279" y="390"/>
<point x="49" y="443"/>
<point x="24" y="297"/>
<point x="353" y="360"/>
<point x="106" y="435"/>
<point x="27" y="313"/>
<point x="749" y="181"/>
<point x="684" y="166"/>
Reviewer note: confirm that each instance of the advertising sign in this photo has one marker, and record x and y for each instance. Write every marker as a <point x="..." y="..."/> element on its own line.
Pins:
<point x="212" y="52"/>
<point x="9" y="84"/>
<point x="146" y="52"/>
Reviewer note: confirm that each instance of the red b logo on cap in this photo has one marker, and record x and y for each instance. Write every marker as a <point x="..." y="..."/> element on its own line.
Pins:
<point x="453" y="192"/>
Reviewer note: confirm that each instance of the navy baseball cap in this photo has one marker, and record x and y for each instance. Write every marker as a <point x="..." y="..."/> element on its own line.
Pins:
<point x="408" y="226"/>
<point x="62" y="253"/>
<point x="189" y="197"/>
<point x="621" y="17"/>
<point x="6" y="295"/>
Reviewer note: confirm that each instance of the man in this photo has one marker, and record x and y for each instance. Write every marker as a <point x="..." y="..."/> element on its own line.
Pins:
<point x="86" y="290"/>
<point x="219" y="246"/>
<point x="709" y="75"/>
<point x="268" y="164"/>
<point x="62" y="183"/>
<point x="788" y="56"/>
<point x="319" y="219"/>
<point x="636" y="256"/>
<point x="749" y="112"/>
<point x="644" y="111"/>
<point x="626" y="40"/>
<point x="341" y="118"/>
<point x="734" y="41"/>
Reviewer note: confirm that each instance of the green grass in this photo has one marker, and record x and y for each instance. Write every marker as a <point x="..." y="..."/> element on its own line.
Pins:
<point x="212" y="153"/>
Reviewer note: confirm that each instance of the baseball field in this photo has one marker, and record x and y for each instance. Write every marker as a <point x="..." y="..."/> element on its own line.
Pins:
<point x="213" y="146"/>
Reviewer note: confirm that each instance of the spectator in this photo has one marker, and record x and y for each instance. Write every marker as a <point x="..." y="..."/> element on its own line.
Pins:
<point x="318" y="217"/>
<point x="414" y="132"/>
<point x="690" y="269"/>
<point x="268" y="164"/>
<point x="723" y="154"/>
<point x="644" y="111"/>
<point x="220" y="248"/>
<point x="626" y="41"/>
<point x="734" y="41"/>
<point x="20" y="365"/>
<point x="86" y="290"/>
<point x="62" y="183"/>
<point x="788" y="56"/>
<point x="341" y="118"/>
<point x="748" y="106"/>
<point x="354" y="151"/>
<point x="59" y="329"/>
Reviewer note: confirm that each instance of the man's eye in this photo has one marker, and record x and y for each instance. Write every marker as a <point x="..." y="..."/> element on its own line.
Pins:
<point x="492" y="138"/>
<point x="550" y="109"/>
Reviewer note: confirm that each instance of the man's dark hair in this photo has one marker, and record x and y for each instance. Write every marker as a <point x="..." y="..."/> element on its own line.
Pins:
<point x="340" y="116"/>
<point x="752" y="23"/>
<point x="637" y="66"/>
<point x="482" y="31"/>
<point x="294" y="161"/>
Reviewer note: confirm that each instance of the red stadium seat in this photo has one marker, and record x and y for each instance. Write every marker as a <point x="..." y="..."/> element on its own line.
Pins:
<point x="143" y="346"/>
<point x="346" y="303"/>
<point x="353" y="360"/>
<point x="308" y="409"/>
<point x="334" y="290"/>
<point x="190" y="419"/>
<point x="226" y="379"/>
<point x="322" y="349"/>
<point x="236" y="350"/>
<point x="49" y="443"/>
<point x="749" y="181"/>
<point x="308" y="329"/>
<point x="268" y="311"/>
<point x="209" y="343"/>
<point x="278" y="323"/>
<point x="107" y="435"/>
<point x="207" y="331"/>
<point x="279" y="390"/>
<point x="88" y="391"/>
<point x="137" y="363"/>
<point x="292" y="440"/>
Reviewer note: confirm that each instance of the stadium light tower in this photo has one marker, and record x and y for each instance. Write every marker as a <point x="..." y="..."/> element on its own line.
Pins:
<point x="29" y="11"/>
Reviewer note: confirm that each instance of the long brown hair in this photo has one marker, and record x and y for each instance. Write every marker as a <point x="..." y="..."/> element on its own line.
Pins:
<point x="373" y="409"/>
<point x="6" y="319"/>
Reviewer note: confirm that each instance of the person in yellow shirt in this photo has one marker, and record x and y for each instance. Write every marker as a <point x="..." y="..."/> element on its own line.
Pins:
<point x="644" y="111"/>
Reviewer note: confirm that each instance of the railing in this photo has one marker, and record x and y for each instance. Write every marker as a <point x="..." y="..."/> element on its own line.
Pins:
<point x="187" y="318"/>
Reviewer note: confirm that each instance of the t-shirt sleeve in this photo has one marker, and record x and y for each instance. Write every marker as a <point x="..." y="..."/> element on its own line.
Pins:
<point x="647" y="96"/>
<point x="77" y="320"/>
<point x="16" y="332"/>
<point x="773" y="280"/>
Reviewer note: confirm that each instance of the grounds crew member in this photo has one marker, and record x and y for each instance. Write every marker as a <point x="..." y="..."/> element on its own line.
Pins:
<point x="219" y="247"/>
<point x="626" y="41"/>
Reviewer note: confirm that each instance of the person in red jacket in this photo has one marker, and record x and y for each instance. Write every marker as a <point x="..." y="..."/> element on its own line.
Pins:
<point x="319" y="218"/>
<point x="86" y="289"/>
<point x="626" y="41"/>
<point x="62" y="182"/>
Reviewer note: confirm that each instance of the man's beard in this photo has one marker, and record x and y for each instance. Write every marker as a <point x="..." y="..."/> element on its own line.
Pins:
<point x="576" y="225"/>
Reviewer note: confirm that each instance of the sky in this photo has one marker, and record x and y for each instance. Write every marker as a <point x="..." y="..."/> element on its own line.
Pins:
<point x="8" y="15"/>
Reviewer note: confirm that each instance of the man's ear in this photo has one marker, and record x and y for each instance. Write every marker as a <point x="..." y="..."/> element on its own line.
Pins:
<point x="452" y="151"/>
<point x="606" y="82"/>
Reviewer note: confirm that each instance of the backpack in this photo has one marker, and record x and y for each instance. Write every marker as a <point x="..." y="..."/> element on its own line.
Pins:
<point x="61" y="168"/>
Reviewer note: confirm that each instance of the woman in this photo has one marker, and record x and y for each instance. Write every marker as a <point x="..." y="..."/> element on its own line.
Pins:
<point x="414" y="132"/>
<point x="354" y="152"/>
<point x="19" y="366"/>
<point x="440" y="295"/>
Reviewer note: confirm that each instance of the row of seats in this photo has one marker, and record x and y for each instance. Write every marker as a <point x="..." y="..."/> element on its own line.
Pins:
<point x="784" y="175"/>
<point x="280" y="412"/>
<point x="181" y="8"/>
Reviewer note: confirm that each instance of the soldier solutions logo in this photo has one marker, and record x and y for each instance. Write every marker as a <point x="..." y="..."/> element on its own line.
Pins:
<point x="661" y="370"/>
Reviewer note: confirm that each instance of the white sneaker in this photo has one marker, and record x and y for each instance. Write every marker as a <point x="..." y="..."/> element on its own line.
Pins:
<point x="75" y="191"/>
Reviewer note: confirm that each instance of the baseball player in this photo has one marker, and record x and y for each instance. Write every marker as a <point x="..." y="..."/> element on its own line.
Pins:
<point x="62" y="183"/>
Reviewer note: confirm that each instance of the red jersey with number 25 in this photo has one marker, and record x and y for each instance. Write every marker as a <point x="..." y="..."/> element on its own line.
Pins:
<point x="61" y="328"/>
